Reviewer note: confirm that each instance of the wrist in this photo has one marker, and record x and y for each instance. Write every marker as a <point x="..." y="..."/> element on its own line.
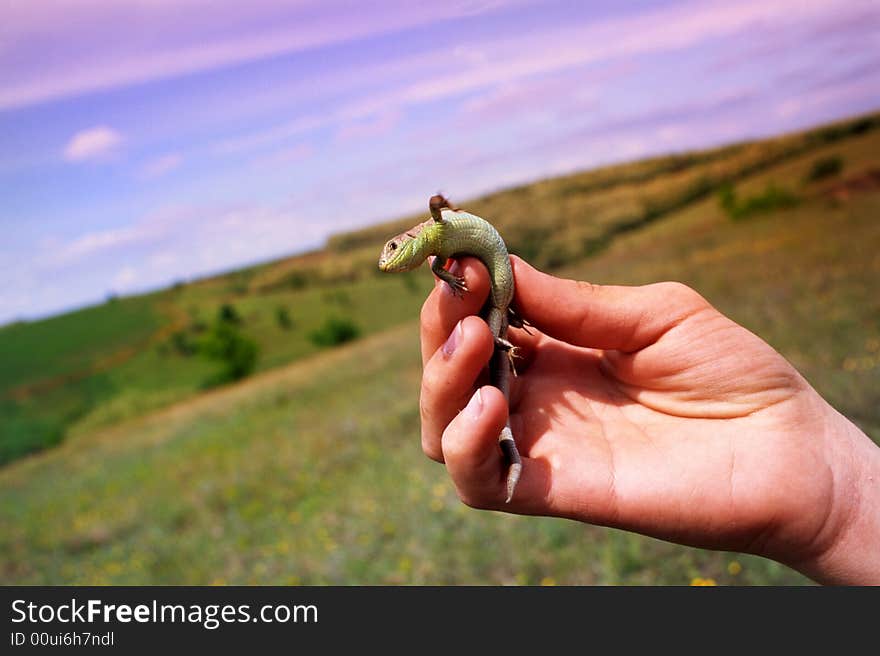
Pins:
<point x="851" y="553"/>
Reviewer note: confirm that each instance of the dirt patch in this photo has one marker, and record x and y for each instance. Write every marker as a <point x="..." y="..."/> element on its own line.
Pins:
<point x="860" y="183"/>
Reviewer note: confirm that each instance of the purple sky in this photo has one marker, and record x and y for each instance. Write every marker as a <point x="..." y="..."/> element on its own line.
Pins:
<point x="147" y="142"/>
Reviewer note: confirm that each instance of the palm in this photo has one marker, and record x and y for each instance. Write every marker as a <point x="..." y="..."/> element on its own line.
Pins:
<point x="664" y="441"/>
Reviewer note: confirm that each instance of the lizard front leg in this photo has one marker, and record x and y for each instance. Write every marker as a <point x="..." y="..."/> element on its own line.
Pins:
<point x="456" y="283"/>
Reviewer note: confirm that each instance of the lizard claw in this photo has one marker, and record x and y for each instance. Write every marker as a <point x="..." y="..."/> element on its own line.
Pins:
<point x="511" y="354"/>
<point x="512" y="351"/>
<point x="458" y="286"/>
<point x="504" y="345"/>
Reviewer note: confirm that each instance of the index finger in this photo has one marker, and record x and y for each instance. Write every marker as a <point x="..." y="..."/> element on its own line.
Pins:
<point x="442" y="310"/>
<point x="602" y="316"/>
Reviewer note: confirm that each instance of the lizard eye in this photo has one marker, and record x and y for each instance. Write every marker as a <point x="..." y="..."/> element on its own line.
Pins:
<point x="393" y="246"/>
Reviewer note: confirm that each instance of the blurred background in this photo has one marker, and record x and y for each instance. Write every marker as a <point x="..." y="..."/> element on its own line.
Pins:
<point x="205" y="379"/>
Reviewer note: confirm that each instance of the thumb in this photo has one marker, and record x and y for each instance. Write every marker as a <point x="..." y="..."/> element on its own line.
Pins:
<point x="601" y="316"/>
<point x="477" y="466"/>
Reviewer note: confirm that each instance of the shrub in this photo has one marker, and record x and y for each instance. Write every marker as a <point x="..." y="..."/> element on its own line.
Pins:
<point x="825" y="167"/>
<point x="334" y="331"/>
<point x="727" y="198"/>
<point x="297" y="280"/>
<point x="229" y="314"/>
<point x="182" y="343"/>
<point x="772" y="198"/>
<point x="237" y="352"/>
<point x="282" y="316"/>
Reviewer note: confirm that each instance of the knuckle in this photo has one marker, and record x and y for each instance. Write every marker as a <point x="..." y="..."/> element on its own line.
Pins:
<point x="471" y="498"/>
<point x="585" y="287"/>
<point x="430" y="448"/>
<point x="431" y="385"/>
<point x="680" y="294"/>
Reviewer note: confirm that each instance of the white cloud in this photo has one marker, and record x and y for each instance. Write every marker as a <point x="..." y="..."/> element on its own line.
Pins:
<point x="159" y="166"/>
<point x="580" y="44"/>
<point x="93" y="143"/>
<point x="284" y="156"/>
<point x="124" y="279"/>
<point x="70" y="48"/>
<point x="494" y="68"/>
<point x="203" y="238"/>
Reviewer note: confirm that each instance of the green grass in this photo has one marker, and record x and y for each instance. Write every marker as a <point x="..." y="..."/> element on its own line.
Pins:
<point x="68" y="343"/>
<point x="312" y="473"/>
<point x="286" y="480"/>
<point x="55" y="370"/>
<point x="90" y="368"/>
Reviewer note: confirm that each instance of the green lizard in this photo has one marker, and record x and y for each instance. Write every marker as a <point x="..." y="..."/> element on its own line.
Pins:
<point x="450" y="233"/>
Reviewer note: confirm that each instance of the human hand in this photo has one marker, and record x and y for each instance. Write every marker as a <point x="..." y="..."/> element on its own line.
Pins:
<point x="644" y="408"/>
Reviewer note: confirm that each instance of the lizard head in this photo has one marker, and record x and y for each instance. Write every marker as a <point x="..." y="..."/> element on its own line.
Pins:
<point x="404" y="252"/>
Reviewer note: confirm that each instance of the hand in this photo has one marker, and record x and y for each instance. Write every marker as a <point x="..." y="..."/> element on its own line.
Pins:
<point x="644" y="408"/>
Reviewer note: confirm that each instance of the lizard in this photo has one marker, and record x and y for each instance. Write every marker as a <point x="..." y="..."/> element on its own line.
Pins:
<point x="449" y="233"/>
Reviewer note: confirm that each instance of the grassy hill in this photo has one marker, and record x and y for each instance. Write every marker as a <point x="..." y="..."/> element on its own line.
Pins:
<point x="310" y="472"/>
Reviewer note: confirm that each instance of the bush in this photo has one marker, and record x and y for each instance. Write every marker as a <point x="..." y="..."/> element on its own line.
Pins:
<point x="229" y="314"/>
<point x="772" y="198"/>
<point x="297" y="280"/>
<point x="727" y="198"/>
<point x="334" y="331"/>
<point x="825" y="167"/>
<point x="237" y="352"/>
<point x="282" y="316"/>
<point x="182" y="343"/>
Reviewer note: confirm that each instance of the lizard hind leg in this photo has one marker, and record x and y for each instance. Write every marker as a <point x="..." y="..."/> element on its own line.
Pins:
<point x="511" y="350"/>
<point x="516" y="321"/>
<point x="497" y="321"/>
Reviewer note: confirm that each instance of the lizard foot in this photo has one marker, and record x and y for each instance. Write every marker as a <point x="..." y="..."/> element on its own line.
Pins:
<point x="512" y="352"/>
<point x="458" y="285"/>
<point x="504" y="345"/>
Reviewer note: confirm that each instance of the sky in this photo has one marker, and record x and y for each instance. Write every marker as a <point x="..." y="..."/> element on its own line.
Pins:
<point x="146" y="142"/>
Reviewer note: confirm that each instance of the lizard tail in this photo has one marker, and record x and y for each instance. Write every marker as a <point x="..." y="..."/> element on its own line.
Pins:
<point x="508" y="447"/>
<point x="437" y="203"/>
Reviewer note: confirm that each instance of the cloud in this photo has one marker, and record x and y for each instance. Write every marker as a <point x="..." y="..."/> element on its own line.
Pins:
<point x="128" y="43"/>
<point x="159" y="166"/>
<point x="375" y="126"/>
<point x="203" y="238"/>
<point x="124" y="279"/>
<point x="850" y="92"/>
<point x="494" y="73"/>
<point x="284" y="156"/>
<point x="93" y="143"/>
<point x="590" y="42"/>
<point x="95" y="243"/>
<point x="273" y="135"/>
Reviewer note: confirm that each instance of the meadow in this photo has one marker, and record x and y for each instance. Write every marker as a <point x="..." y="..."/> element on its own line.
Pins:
<point x="125" y="465"/>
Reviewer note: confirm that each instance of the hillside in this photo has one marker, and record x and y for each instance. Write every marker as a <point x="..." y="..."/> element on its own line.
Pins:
<point x="88" y="369"/>
<point x="310" y="472"/>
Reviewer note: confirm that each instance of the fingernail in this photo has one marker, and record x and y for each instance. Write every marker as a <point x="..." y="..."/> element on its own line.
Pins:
<point x="453" y="340"/>
<point x="475" y="405"/>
